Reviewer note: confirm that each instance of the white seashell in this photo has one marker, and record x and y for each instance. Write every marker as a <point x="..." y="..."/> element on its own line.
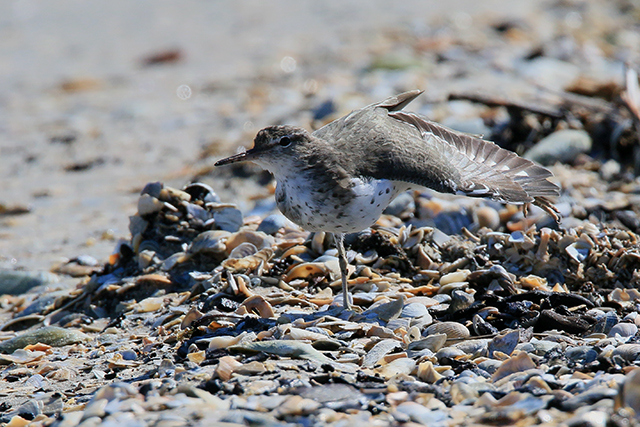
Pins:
<point x="413" y="334"/>
<point x="257" y="303"/>
<point x="533" y="282"/>
<point x="579" y="250"/>
<point x="433" y="342"/>
<point x="148" y="204"/>
<point x="250" y="262"/>
<point x="378" y="351"/>
<point x="456" y="276"/>
<point x="477" y="346"/>
<point x="317" y="243"/>
<point x="251" y="368"/>
<point x="559" y="288"/>
<point x="424" y="261"/>
<point x="426" y="301"/>
<point x="291" y="333"/>
<point x="368" y="257"/>
<point x="403" y="365"/>
<point x="224" y="341"/>
<point x="307" y="269"/>
<point x="226" y="366"/>
<point x="449" y="352"/>
<point x="520" y="362"/>
<point x="197" y="357"/>
<point x="427" y="373"/>
<point x="415" y="238"/>
<point x="149" y="304"/>
<point x="453" y="286"/>
<point x="624" y="295"/>
<point x="145" y="258"/>
<point x="628" y="352"/>
<point x="504" y="343"/>
<point x="243" y="250"/>
<point x="169" y="194"/>
<point x="259" y="239"/>
<point x="460" y="392"/>
<point x="193" y="315"/>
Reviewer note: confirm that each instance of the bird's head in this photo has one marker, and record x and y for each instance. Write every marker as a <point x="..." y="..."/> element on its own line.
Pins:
<point x="274" y="148"/>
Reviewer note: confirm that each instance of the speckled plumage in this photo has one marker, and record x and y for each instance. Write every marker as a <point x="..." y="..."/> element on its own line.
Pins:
<point x="341" y="177"/>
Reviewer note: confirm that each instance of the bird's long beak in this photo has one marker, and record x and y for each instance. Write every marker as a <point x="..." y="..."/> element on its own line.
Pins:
<point x="240" y="157"/>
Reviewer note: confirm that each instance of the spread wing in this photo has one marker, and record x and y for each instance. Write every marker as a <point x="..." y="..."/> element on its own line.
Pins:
<point x="451" y="161"/>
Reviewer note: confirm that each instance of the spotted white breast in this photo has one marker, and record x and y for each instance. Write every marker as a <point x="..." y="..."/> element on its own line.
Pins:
<point x="303" y="204"/>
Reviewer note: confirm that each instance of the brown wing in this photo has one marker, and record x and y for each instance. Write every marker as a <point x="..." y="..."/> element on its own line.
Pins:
<point x="486" y="170"/>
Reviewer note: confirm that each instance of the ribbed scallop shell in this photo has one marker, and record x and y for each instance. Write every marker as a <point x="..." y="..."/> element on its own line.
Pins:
<point x="451" y="329"/>
<point x="624" y="330"/>
<point x="628" y="352"/>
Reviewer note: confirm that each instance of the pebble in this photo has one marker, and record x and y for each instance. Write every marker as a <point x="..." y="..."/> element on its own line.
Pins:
<point x="228" y="219"/>
<point x="20" y="282"/>
<point x="49" y="335"/>
<point x="401" y="205"/>
<point x="560" y="146"/>
<point x="488" y="217"/>
<point x="273" y="223"/>
<point x="630" y="394"/>
<point x="419" y="414"/>
<point x="589" y="419"/>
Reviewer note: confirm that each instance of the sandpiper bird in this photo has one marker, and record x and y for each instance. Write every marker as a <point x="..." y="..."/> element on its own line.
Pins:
<point x="341" y="177"/>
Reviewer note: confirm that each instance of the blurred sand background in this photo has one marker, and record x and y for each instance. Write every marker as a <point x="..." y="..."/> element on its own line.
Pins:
<point x="86" y="120"/>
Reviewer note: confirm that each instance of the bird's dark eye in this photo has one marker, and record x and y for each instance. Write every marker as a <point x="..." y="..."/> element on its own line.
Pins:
<point x="285" y="141"/>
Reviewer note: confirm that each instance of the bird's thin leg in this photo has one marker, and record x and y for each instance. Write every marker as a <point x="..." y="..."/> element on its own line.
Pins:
<point x="342" y="259"/>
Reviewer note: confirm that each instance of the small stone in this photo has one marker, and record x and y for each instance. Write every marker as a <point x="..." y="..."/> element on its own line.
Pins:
<point x="488" y="217"/>
<point x="420" y="414"/>
<point x="273" y="223"/>
<point x="95" y="408"/>
<point x="297" y="405"/>
<point x="401" y="205"/>
<point x="50" y="335"/>
<point x="561" y="146"/>
<point x="609" y="170"/>
<point x="228" y="219"/>
<point x="588" y="419"/>
<point x="20" y="282"/>
<point x="148" y="204"/>
<point x="631" y="391"/>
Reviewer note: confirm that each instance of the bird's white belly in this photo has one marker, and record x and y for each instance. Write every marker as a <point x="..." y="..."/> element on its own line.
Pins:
<point x="315" y="211"/>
